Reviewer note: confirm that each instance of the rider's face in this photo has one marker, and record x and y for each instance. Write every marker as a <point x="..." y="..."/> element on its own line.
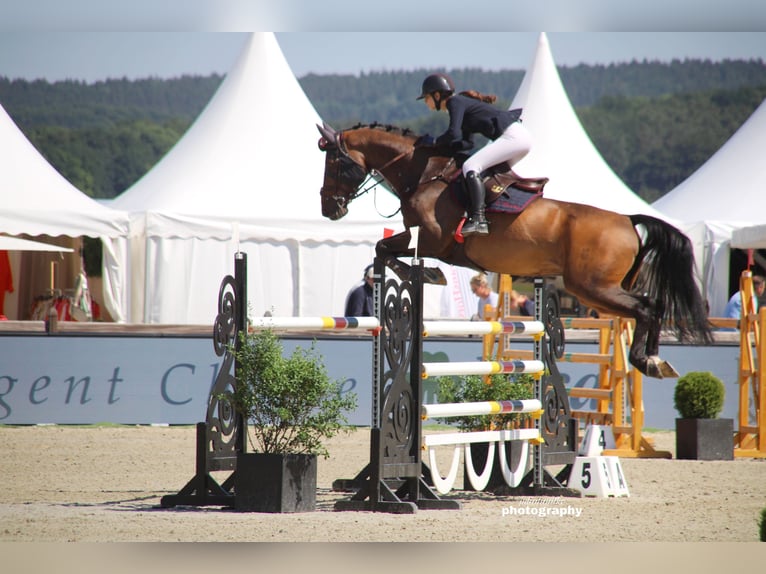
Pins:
<point x="429" y="100"/>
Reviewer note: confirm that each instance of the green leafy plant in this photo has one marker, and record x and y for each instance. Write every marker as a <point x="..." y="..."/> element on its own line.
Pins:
<point x="762" y="525"/>
<point x="291" y="403"/>
<point x="699" y="395"/>
<point x="473" y="388"/>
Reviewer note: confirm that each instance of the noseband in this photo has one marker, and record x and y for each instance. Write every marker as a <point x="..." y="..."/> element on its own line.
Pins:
<point x="350" y="172"/>
<point x="346" y="169"/>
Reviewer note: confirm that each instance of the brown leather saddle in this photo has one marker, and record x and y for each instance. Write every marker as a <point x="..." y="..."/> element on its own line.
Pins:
<point x="507" y="191"/>
<point x="500" y="177"/>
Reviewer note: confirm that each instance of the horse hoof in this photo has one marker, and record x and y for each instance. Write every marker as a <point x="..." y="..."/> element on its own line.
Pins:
<point x="434" y="276"/>
<point x="659" y="369"/>
<point x="667" y="370"/>
<point x="652" y="370"/>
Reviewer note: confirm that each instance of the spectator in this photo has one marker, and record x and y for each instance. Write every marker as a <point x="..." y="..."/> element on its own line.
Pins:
<point x="480" y="287"/>
<point x="734" y="306"/>
<point x="359" y="302"/>
<point x="524" y="304"/>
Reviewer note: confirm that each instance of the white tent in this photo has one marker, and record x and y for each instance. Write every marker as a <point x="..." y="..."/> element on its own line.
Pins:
<point x="726" y="193"/>
<point x="561" y="149"/>
<point x="247" y="175"/>
<point x="731" y="185"/>
<point x="751" y="237"/>
<point x="37" y="200"/>
<point x="18" y="244"/>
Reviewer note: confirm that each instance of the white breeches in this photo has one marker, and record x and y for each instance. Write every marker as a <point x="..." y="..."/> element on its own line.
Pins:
<point x="511" y="146"/>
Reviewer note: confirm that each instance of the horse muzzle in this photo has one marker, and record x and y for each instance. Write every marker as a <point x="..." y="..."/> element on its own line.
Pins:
<point x="334" y="207"/>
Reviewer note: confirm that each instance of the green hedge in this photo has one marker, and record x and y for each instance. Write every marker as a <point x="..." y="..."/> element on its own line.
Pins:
<point x="699" y="395"/>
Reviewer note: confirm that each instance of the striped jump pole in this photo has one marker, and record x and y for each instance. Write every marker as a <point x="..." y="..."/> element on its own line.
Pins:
<point x="444" y="410"/>
<point x="533" y="367"/>
<point x="441" y="439"/>
<point x="434" y="328"/>
<point x="314" y="323"/>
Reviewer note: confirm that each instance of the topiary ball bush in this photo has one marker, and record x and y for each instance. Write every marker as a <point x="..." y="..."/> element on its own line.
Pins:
<point x="699" y="395"/>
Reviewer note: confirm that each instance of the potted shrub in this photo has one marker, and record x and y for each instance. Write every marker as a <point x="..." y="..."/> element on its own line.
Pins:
<point x="474" y="388"/>
<point x="700" y="435"/>
<point x="291" y="405"/>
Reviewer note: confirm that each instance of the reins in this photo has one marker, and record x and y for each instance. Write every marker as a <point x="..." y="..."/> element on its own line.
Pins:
<point x="379" y="177"/>
<point x="374" y="173"/>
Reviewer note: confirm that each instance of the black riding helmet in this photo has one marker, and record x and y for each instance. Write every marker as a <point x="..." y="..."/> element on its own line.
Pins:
<point x="437" y="83"/>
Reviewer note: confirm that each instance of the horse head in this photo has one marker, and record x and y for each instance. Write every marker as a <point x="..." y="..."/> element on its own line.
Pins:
<point x="342" y="174"/>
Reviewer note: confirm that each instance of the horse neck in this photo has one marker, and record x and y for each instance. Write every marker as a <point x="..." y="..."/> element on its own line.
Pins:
<point x="391" y="155"/>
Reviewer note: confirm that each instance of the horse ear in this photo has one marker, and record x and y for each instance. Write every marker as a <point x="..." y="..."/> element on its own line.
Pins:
<point x="328" y="134"/>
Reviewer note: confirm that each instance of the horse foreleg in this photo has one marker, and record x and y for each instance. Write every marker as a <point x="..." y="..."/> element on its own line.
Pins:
<point x="398" y="245"/>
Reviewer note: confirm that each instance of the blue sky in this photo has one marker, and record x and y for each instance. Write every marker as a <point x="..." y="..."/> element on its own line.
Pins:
<point x="95" y="39"/>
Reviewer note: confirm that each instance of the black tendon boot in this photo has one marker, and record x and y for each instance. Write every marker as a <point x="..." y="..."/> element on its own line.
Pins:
<point x="477" y="224"/>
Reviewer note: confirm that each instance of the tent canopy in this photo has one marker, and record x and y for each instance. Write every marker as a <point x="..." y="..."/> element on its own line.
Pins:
<point x="250" y="157"/>
<point x="725" y="194"/>
<point x="246" y="176"/>
<point x="731" y="185"/>
<point x="751" y="237"/>
<point x="18" y="244"/>
<point x="37" y="200"/>
<point x="561" y="149"/>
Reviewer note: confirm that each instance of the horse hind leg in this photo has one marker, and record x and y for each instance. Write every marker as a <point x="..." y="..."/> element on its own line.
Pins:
<point x="644" y="349"/>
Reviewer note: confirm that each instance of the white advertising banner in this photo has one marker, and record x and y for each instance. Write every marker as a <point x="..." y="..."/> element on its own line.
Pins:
<point x="167" y="379"/>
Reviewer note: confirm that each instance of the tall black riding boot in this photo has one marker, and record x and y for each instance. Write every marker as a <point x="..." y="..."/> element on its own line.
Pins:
<point x="477" y="224"/>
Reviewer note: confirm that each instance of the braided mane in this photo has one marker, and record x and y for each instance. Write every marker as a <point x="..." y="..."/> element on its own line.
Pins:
<point x="385" y="127"/>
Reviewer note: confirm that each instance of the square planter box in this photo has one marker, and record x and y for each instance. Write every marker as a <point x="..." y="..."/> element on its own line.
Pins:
<point x="705" y="439"/>
<point x="275" y="482"/>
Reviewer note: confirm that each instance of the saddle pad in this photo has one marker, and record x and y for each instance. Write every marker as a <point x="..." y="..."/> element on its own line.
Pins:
<point x="512" y="200"/>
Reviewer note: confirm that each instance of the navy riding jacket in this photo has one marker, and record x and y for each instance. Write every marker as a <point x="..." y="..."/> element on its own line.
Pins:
<point x="468" y="116"/>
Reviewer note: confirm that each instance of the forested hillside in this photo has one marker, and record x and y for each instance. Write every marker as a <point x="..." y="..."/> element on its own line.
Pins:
<point x="654" y="123"/>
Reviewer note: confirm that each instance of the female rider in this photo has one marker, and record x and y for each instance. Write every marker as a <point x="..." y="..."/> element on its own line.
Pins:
<point x="471" y="112"/>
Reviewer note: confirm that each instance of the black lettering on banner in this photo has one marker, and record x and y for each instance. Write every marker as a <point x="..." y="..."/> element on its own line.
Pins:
<point x="347" y="386"/>
<point x="164" y="385"/>
<point x="40" y="384"/>
<point x="72" y="386"/>
<point x="3" y="405"/>
<point x="113" y="385"/>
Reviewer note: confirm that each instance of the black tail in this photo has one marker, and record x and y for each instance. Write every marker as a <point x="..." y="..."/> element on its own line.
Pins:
<point x="667" y="276"/>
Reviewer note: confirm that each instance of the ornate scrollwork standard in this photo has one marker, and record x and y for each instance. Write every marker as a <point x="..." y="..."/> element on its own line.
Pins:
<point x="222" y="435"/>
<point x="557" y="412"/>
<point x="393" y="480"/>
<point x="557" y="427"/>
<point x="223" y="422"/>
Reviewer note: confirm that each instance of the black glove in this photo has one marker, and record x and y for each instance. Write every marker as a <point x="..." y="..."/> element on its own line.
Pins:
<point x="425" y="140"/>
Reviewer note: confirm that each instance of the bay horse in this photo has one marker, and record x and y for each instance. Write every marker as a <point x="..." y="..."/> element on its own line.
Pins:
<point x="602" y="258"/>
